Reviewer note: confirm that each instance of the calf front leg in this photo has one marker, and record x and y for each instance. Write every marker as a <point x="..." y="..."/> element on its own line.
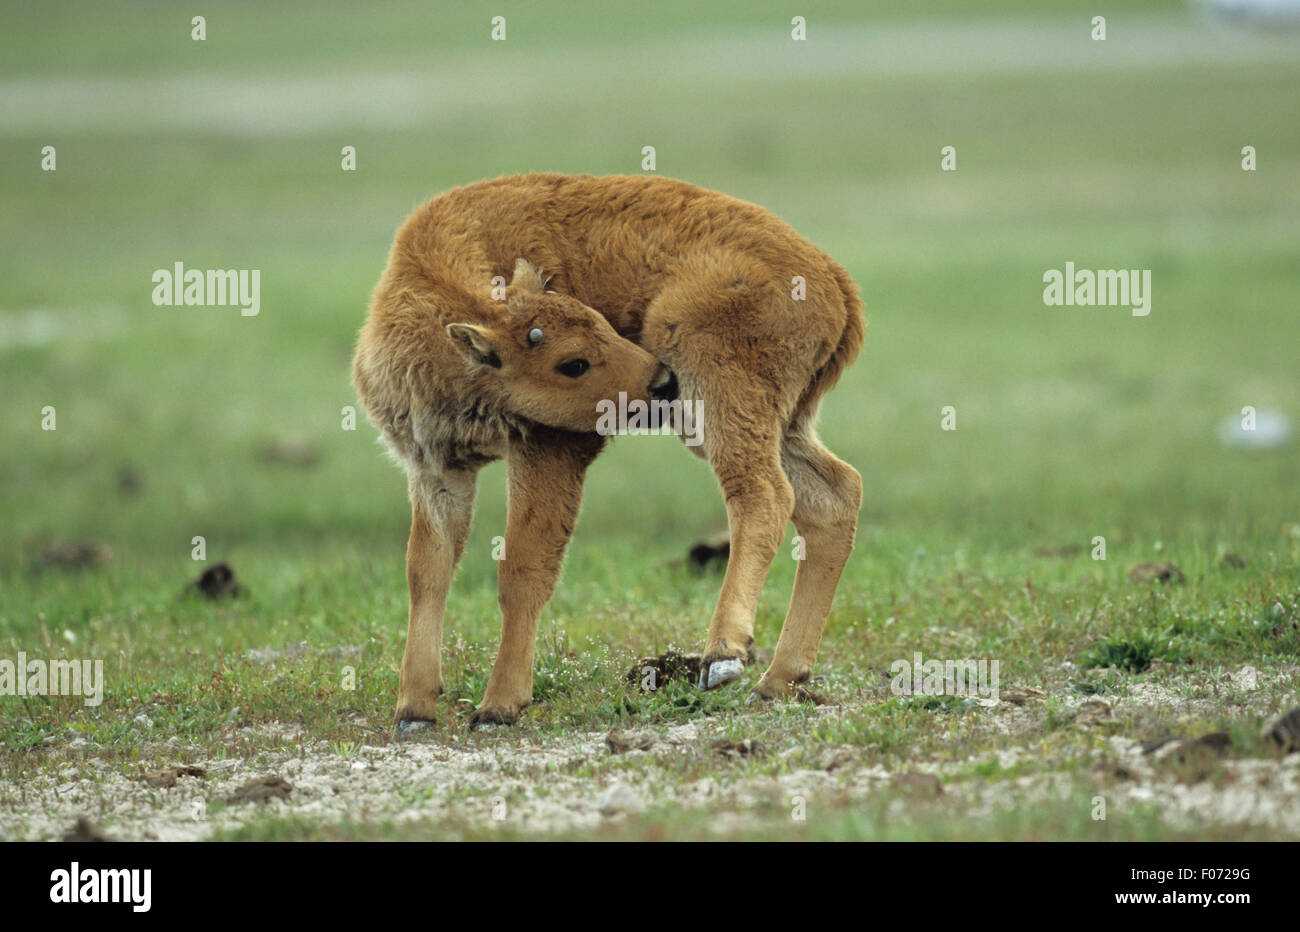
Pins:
<point x="545" y="473"/>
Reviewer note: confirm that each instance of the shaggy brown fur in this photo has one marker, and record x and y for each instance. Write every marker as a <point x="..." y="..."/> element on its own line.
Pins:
<point x="622" y="276"/>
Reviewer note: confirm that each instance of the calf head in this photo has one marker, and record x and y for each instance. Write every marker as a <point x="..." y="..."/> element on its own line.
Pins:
<point x="552" y="359"/>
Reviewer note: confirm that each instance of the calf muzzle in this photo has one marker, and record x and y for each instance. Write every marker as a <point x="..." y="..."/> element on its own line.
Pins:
<point x="663" y="387"/>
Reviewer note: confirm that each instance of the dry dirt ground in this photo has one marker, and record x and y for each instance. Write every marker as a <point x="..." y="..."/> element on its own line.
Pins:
<point x="484" y="781"/>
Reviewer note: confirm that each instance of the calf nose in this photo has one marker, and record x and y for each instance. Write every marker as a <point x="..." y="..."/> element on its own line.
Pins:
<point x="663" y="387"/>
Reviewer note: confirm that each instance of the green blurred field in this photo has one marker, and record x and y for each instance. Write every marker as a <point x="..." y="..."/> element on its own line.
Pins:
<point x="1072" y="422"/>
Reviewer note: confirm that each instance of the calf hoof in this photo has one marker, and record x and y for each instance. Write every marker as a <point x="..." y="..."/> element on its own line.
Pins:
<point x="413" y="730"/>
<point x="771" y="687"/>
<point x="720" y="673"/>
<point x="489" y="716"/>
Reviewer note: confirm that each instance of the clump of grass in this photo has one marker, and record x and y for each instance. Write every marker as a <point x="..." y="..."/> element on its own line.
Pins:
<point x="1096" y="685"/>
<point x="942" y="703"/>
<point x="1132" y="652"/>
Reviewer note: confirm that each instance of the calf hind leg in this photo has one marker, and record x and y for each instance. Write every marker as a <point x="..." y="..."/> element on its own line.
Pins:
<point x="827" y="494"/>
<point x="759" y="502"/>
<point x="442" y="508"/>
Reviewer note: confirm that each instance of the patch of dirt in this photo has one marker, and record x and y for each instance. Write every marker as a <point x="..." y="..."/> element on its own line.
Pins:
<point x="129" y="481"/>
<point x="260" y="790"/>
<point x="74" y="555"/>
<point x="85" y="830"/>
<point x="1060" y="553"/>
<point x="571" y="783"/>
<point x="167" y="776"/>
<point x="1093" y="712"/>
<point x="1160" y="572"/>
<point x="652" y="672"/>
<point x="621" y="741"/>
<point x="917" y="783"/>
<point x="1020" y="695"/>
<point x="804" y="694"/>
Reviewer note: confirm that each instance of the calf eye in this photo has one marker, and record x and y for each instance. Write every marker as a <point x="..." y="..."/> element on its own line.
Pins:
<point x="573" y="368"/>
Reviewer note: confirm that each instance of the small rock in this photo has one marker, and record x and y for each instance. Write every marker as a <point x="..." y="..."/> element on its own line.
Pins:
<point x="1093" y="712"/>
<point x="1021" y="695"/>
<point x="1284" y="731"/>
<point x="686" y="733"/>
<point x="1160" y="572"/>
<point x="1246" y="679"/>
<point x="73" y="555"/>
<point x="747" y="748"/>
<point x="260" y="790"/>
<point x="261" y="655"/>
<point x="834" y="758"/>
<point x="621" y="741"/>
<point x="167" y="776"/>
<point x="620" y="798"/>
<point x="804" y="694"/>
<point x="704" y="787"/>
<point x="917" y="783"/>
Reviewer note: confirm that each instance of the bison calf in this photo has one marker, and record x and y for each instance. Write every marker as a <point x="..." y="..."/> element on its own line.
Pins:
<point x="511" y="308"/>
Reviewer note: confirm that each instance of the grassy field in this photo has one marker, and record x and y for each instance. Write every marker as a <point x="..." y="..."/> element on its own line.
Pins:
<point x="1072" y="422"/>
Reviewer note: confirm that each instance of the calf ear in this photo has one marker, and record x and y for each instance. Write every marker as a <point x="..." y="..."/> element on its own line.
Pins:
<point x="475" y="344"/>
<point x="528" y="277"/>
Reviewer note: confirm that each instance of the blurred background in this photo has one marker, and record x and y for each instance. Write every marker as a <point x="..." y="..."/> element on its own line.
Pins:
<point x="225" y="153"/>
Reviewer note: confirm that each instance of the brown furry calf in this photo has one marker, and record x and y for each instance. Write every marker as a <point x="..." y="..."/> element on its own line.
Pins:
<point x="610" y="280"/>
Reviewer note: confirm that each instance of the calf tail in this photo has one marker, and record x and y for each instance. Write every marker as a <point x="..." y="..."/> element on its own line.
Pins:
<point x="845" y="351"/>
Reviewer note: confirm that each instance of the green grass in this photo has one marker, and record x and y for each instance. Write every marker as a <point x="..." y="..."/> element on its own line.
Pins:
<point x="1072" y="422"/>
